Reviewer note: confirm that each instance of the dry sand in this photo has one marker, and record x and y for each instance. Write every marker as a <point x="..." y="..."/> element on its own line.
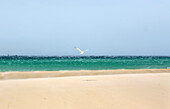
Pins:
<point x="125" y="91"/>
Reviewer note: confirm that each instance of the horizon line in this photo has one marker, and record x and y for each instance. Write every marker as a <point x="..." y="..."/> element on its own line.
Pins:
<point x="85" y="55"/>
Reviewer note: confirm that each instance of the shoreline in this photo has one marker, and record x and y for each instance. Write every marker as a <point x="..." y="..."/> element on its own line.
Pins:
<point x="70" y="73"/>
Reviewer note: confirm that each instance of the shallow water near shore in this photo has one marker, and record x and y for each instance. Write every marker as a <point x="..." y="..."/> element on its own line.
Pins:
<point x="40" y="63"/>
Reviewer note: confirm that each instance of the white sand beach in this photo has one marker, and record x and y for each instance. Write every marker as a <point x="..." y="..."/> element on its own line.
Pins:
<point x="125" y="91"/>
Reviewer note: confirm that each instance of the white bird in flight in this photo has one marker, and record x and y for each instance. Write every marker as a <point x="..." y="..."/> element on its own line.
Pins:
<point x="81" y="52"/>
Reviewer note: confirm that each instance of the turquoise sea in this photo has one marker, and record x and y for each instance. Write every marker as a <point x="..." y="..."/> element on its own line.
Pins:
<point x="40" y="63"/>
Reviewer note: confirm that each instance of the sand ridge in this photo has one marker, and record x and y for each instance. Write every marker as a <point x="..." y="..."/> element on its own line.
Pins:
<point x="47" y="74"/>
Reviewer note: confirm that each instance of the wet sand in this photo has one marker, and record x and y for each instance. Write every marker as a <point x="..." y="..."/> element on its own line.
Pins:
<point x="47" y="74"/>
<point x="126" y="91"/>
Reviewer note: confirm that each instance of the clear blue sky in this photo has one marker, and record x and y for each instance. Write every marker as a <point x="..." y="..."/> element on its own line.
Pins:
<point x="105" y="27"/>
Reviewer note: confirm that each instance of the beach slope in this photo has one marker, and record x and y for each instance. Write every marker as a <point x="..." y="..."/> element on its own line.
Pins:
<point x="125" y="91"/>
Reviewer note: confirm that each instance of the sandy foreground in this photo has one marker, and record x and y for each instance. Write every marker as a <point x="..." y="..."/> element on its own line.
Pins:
<point x="125" y="91"/>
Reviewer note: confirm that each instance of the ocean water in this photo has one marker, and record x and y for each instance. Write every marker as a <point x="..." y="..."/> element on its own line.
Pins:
<point x="35" y="63"/>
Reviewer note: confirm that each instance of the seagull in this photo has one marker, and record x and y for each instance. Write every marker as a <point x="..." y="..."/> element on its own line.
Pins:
<point x="81" y="52"/>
